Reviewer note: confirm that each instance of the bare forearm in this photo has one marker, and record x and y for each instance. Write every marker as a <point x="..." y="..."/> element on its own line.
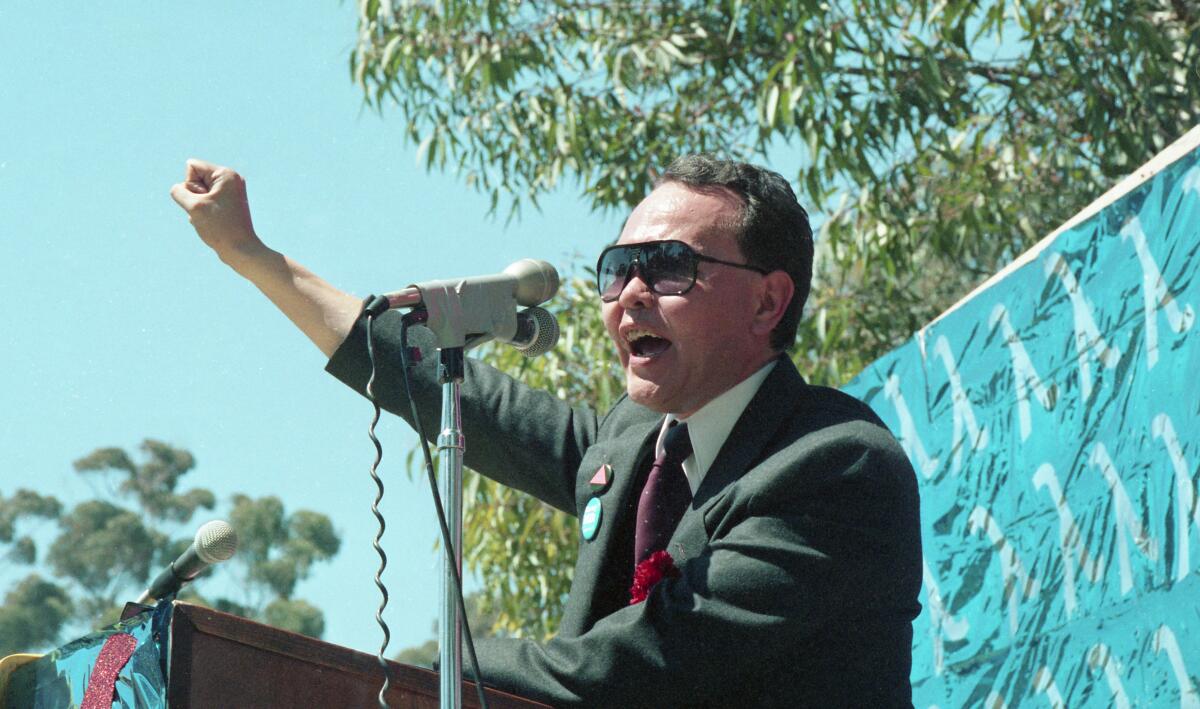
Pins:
<point x="214" y="198"/>
<point x="323" y="313"/>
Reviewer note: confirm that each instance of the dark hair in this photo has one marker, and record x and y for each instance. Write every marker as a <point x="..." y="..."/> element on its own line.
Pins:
<point x="774" y="231"/>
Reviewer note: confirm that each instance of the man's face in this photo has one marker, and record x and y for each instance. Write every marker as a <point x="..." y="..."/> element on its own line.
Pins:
<point x="681" y="351"/>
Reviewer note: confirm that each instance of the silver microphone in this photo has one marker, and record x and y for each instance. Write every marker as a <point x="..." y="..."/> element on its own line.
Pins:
<point x="528" y="281"/>
<point x="537" y="332"/>
<point x="464" y="312"/>
<point x="215" y="542"/>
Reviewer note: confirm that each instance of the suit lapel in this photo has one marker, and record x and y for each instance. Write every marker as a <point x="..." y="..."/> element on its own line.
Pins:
<point x="771" y="406"/>
<point x="628" y="454"/>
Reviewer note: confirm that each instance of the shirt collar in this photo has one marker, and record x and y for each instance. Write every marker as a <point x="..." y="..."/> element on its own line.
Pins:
<point x="710" y="426"/>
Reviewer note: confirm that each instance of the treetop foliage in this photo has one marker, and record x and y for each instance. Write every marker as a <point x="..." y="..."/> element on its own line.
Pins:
<point x="106" y="549"/>
<point x="152" y="483"/>
<point x="277" y="550"/>
<point x="24" y="503"/>
<point x="937" y="140"/>
<point x="32" y="613"/>
<point x="515" y="94"/>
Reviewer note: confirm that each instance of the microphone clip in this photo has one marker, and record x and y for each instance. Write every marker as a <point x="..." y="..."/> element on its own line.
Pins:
<point x="375" y="305"/>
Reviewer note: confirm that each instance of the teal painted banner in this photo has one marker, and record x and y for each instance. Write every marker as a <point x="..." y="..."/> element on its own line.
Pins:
<point x="1054" y="423"/>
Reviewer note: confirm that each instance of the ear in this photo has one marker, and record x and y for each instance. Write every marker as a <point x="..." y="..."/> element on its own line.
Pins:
<point x="773" y="299"/>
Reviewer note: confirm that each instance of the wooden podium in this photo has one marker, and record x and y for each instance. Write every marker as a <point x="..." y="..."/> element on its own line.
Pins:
<point x="221" y="660"/>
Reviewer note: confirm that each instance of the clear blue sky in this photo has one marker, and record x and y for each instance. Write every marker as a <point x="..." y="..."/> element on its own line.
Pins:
<point x="120" y="325"/>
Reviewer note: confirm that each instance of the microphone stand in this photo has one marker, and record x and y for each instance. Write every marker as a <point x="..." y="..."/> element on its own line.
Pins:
<point x="451" y="445"/>
<point x="461" y="317"/>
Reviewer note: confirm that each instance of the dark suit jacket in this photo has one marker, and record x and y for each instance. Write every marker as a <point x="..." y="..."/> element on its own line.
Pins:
<point x="800" y="553"/>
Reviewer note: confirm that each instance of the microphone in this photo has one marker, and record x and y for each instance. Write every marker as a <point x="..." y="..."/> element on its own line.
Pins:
<point x="537" y="332"/>
<point x="215" y="542"/>
<point x="528" y="281"/>
<point x="465" y="312"/>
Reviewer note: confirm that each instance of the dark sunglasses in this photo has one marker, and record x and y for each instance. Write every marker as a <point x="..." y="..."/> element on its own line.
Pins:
<point x="668" y="267"/>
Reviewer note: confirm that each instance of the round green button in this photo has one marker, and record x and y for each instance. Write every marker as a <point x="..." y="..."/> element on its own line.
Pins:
<point x="590" y="523"/>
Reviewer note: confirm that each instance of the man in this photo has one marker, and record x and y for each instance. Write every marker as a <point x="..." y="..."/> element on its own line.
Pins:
<point x="779" y="564"/>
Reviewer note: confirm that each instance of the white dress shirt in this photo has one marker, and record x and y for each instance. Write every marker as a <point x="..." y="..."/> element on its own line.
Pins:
<point x="710" y="425"/>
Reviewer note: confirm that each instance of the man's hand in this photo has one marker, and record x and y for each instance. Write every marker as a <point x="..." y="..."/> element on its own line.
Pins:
<point x="214" y="198"/>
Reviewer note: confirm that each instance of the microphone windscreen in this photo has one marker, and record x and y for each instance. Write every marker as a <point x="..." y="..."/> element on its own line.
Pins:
<point x="215" y="541"/>
<point x="537" y="281"/>
<point x="547" y="333"/>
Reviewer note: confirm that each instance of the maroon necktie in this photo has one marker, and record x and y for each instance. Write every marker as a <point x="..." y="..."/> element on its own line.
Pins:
<point x="665" y="496"/>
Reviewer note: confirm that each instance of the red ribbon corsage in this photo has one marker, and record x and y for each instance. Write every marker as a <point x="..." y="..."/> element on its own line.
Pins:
<point x="655" y="568"/>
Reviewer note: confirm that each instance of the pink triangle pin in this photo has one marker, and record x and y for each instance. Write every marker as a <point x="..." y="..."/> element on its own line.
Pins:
<point x="602" y="478"/>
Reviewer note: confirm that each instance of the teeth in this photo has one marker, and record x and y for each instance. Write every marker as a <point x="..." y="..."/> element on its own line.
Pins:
<point x="632" y="335"/>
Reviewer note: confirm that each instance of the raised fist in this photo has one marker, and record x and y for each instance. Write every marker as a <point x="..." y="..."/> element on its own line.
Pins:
<point x="214" y="198"/>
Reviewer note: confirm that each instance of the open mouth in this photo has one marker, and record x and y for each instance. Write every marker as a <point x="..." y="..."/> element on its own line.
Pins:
<point x="646" y="344"/>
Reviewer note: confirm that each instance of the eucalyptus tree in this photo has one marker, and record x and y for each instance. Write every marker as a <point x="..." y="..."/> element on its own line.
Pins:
<point x="106" y="549"/>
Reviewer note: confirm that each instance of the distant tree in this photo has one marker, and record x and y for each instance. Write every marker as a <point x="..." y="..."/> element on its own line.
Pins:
<point x="24" y="504"/>
<point x="106" y="549"/>
<point x="33" y="613"/>
<point x="276" y="551"/>
<point x="35" y="609"/>
<point x="152" y="484"/>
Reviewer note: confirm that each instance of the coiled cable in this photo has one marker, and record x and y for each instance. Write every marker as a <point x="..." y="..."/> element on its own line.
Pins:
<point x="387" y="635"/>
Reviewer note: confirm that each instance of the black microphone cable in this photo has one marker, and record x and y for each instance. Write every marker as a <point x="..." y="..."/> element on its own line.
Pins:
<point x="376" y="305"/>
<point x="387" y="635"/>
